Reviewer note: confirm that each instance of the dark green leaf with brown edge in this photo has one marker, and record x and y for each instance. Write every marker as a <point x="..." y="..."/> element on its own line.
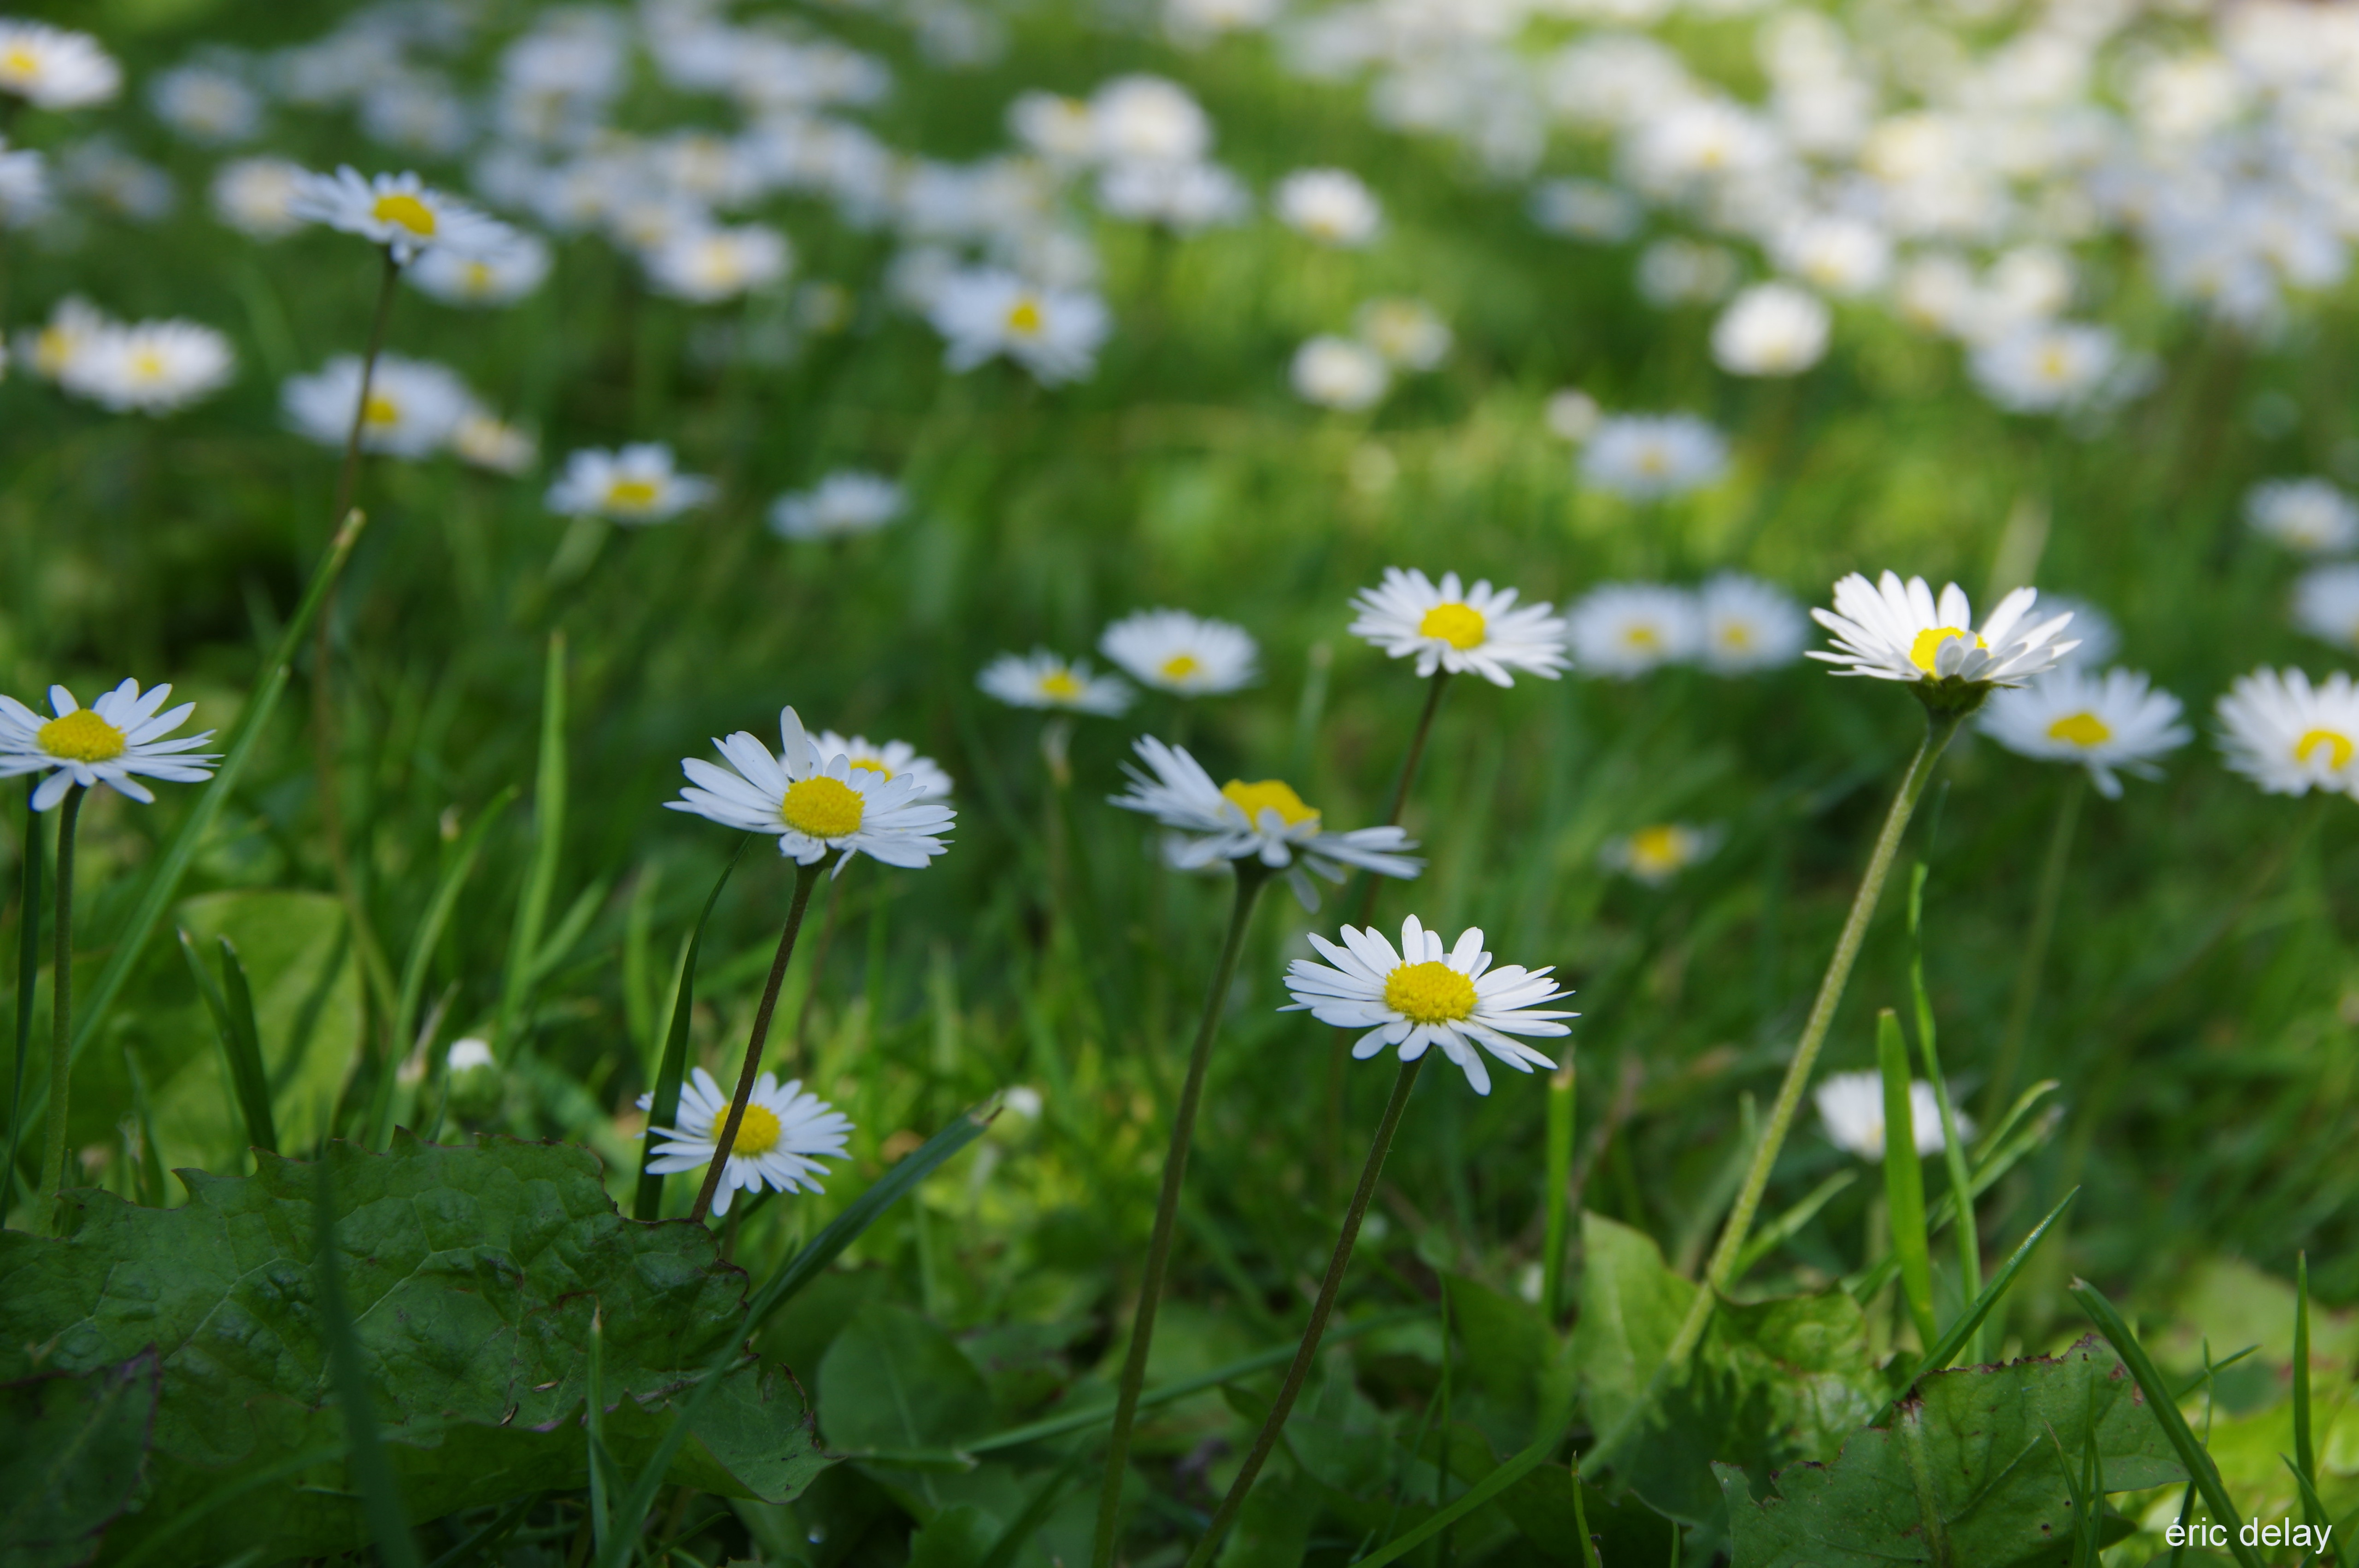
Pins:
<point x="74" y="1455"/>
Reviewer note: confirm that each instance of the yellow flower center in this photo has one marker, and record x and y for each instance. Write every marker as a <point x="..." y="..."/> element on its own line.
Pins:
<point x="1654" y="462"/>
<point x="1431" y="993"/>
<point x="757" y="1131"/>
<point x="20" y="61"/>
<point x="82" y="736"/>
<point x="1024" y="317"/>
<point x="1180" y="667"/>
<point x="822" y="808"/>
<point x="380" y="410"/>
<point x="479" y="277"/>
<point x="1736" y="634"/>
<point x="1273" y="795"/>
<point x="403" y="211"/>
<point x="2081" y="729"/>
<point x="2338" y="746"/>
<point x="1459" y="625"/>
<point x="1643" y="636"/>
<point x="1658" y="850"/>
<point x="631" y="493"/>
<point x="2053" y="365"/>
<point x="874" y="767"/>
<point x="1927" y="648"/>
<point x="147" y="365"/>
<point x="1060" y="686"/>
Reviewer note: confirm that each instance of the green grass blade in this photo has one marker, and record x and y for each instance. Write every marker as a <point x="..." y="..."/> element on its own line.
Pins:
<point x="570" y="927"/>
<point x="594" y="1420"/>
<point x="2166" y="1410"/>
<point x="28" y="974"/>
<point x="372" y="1474"/>
<point x="150" y="1164"/>
<point x="2305" y="1455"/>
<point x="1482" y="1492"/>
<point x="237" y="1003"/>
<point x="1945" y="1348"/>
<point x="1561" y="1105"/>
<point x="540" y="880"/>
<point x="249" y="1085"/>
<point x="663" y="1109"/>
<point x="1904" y="1179"/>
<point x="1987" y="1174"/>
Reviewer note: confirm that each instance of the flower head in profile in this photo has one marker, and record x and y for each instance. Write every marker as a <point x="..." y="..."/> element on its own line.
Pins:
<point x="1749" y="625"/>
<point x="414" y="406"/>
<point x="1899" y="630"/>
<point x="1173" y="650"/>
<point x="51" y="68"/>
<point x="639" y="484"/>
<point x="1448" y="626"/>
<point x="1851" y="1105"/>
<point x="817" y="803"/>
<point x="2110" y="724"/>
<point x="1626" y="629"/>
<point x="783" y="1134"/>
<point x="1423" y="995"/>
<point x="888" y="759"/>
<point x="1658" y="852"/>
<point x="117" y="742"/>
<point x="1042" y="679"/>
<point x="845" y="502"/>
<point x="399" y="211"/>
<point x="1264" y="821"/>
<point x="2289" y="736"/>
<point x="2312" y="516"/>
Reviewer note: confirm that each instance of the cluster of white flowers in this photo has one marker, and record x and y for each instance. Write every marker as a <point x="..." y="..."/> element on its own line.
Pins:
<point x="1166" y="650"/>
<point x="1732" y="626"/>
<point x="415" y="410"/>
<point x="148" y="367"/>
<point x="1353" y="372"/>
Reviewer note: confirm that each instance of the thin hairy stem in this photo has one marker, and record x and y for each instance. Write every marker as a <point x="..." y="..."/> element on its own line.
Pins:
<point x="53" y="1152"/>
<point x="805" y="877"/>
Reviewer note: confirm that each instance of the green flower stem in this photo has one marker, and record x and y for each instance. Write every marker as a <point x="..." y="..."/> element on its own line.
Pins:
<point x="1941" y="726"/>
<point x="1321" y="1310"/>
<point x="28" y="967"/>
<point x="805" y="877"/>
<point x="53" y="1150"/>
<point x="1250" y="876"/>
<point x="2010" y="1060"/>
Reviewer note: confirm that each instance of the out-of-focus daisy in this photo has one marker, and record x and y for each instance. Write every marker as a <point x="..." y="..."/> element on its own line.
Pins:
<point x="117" y="182"/>
<point x="1055" y="334"/>
<point x="1186" y="198"/>
<point x="1448" y="626"/>
<point x="206" y="104"/>
<point x="399" y="211"/>
<point x="641" y="483"/>
<point x="1851" y="1105"/>
<point x="2326" y="604"/>
<point x="817" y="804"/>
<point x="782" y="1135"/>
<point x="1680" y="272"/>
<point x="256" y="196"/>
<point x="2045" y="367"/>
<point x="25" y="198"/>
<point x="1176" y="652"/>
<point x="485" y="441"/>
<point x="1264" y="821"/>
<point x="54" y="349"/>
<point x="2110" y="724"/>
<point x="2312" y="516"/>
<point x="51" y="68"/>
<point x="1333" y="206"/>
<point x="889" y="758"/>
<point x="1041" y="679"/>
<point x="116" y="742"/>
<point x="1840" y="255"/>
<point x="1628" y="629"/>
<point x="1058" y="128"/>
<point x="499" y="274"/>
<point x="1771" y="328"/>
<point x="2289" y="736"/>
<point x="1647" y="457"/>
<point x="1338" y="372"/>
<point x="1749" y="626"/>
<point x="2100" y="638"/>
<point x="1407" y="332"/>
<point x="413" y="405"/>
<point x="708" y="264"/>
<point x="153" y="367"/>
<point x="1146" y="119"/>
<point x="1423" y="995"/>
<point x="1585" y="209"/>
<point x="1658" y="852"/>
<point x="1898" y="631"/>
<point x="846" y="502"/>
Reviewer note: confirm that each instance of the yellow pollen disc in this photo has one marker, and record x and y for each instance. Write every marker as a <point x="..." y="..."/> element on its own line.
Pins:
<point x="1025" y="316"/>
<point x="1459" y="625"/>
<point x="757" y="1131"/>
<point x="1657" y="851"/>
<point x="1431" y="993"/>
<point x="2338" y="747"/>
<point x="2053" y="365"/>
<point x="82" y="736"/>
<point x="1269" y="794"/>
<point x="1654" y="461"/>
<point x="1736" y="634"/>
<point x="380" y="410"/>
<point x="874" y="767"/>
<point x="822" y="808"/>
<point x="1642" y="637"/>
<point x="1928" y="645"/>
<point x="2081" y="729"/>
<point x="149" y="365"/>
<point x="52" y="349"/>
<point x="631" y="493"/>
<point x="1060" y="686"/>
<point x="403" y="211"/>
<point x="21" y="62"/>
<point x="479" y="277"/>
<point x="1180" y="667"/>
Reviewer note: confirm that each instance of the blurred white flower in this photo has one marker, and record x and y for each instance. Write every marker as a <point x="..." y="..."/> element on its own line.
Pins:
<point x="1147" y="119"/>
<point x="844" y="502"/>
<point x="2326" y="604"/>
<point x="499" y="274"/>
<point x="1851" y="1105"/>
<point x="150" y="367"/>
<point x="2045" y="368"/>
<point x="256" y="196"/>
<point x="891" y="758"/>
<point x="51" y="68"/>
<point x="1771" y="328"/>
<point x="1572" y="415"/>
<point x="24" y="187"/>
<point x="1041" y="679"/>
<point x="1055" y="334"/>
<point x="484" y="440"/>
<point x="1059" y="129"/>
<point x="399" y="211"/>
<point x="1680" y="272"/>
<point x="1627" y="629"/>
<point x="206" y="103"/>
<point x="705" y="265"/>
<point x="1749" y="626"/>
<point x="640" y="484"/>
<point x="1658" y="852"/>
<point x="1838" y="255"/>
<point x="414" y="406"/>
<point x="2289" y="736"/>
<point x="116" y="181"/>
<point x="1647" y="457"/>
<point x="1176" y="652"/>
<point x="2110" y="724"/>
<point x="1187" y="198"/>
<point x="1338" y="372"/>
<point x="2312" y="516"/>
<point x="1330" y="205"/>
<point x="1585" y="209"/>
<point x="1407" y="332"/>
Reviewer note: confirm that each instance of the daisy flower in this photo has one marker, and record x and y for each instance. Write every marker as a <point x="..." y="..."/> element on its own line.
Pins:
<point x="1041" y="679"/>
<point x="1771" y="328"/>
<point x="1749" y="625"/>
<point x="1851" y="1105"/>
<point x="498" y="274"/>
<point x="1331" y="206"/>
<point x="2326" y="603"/>
<point x="2045" y="367"/>
<point x="116" y="742"/>
<point x="1336" y="372"/>
<point x="2100" y="638"/>
<point x="1647" y="457"/>
<point x="24" y="187"/>
<point x="484" y="440"/>
<point x="1897" y="631"/>
<point x="256" y="196"/>
<point x="1656" y="854"/>
<point x="1264" y="821"/>
<point x="705" y="265"/>
<point x="1627" y="629"/>
<point x="1407" y="332"/>
<point x="56" y="348"/>
<point x="399" y="211"/>
<point x="1055" y="334"/>
<point x="51" y="68"/>
<point x="782" y="1135"/>
<point x="1424" y="995"/>
<point x="2312" y="516"/>
<point x="1176" y="652"/>
<point x="890" y="761"/>
<point x="2290" y="737"/>
<point x="846" y="502"/>
<point x="413" y="405"/>
<point x="637" y="484"/>
<point x="206" y="104"/>
<point x="815" y="801"/>
<point x="153" y="367"/>
<point x="1450" y="627"/>
<point x="1572" y="415"/>
<point x="2109" y="723"/>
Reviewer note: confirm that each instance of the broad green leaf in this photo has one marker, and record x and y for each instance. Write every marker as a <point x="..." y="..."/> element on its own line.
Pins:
<point x="1274" y="1524"/>
<point x="957" y="1537"/>
<point x="74" y="1455"/>
<point x="1969" y="1473"/>
<point x="472" y="1275"/>
<point x="1540" y="1502"/>
<point x="1514" y="1365"/>
<point x="894" y="1383"/>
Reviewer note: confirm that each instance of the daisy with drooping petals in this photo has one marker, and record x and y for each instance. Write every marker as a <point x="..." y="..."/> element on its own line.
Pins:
<point x="116" y="742"/>
<point x="1264" y="821"/>
<point x="1627" y="629"/>
<point x="1176" y="652"/>
<point x="1852" y="1107"/>
<point x="51" y="68"/>
<point x="785" y="1133"/>
<point x="891" y="759"/>
<point x="1426" y="995"/>
<point x="1749" y="625"/>
<point x="1656" y="854"/>
<point x="2110" y="724"/>
<point x="1898" y="631"/>
<point x="1451" y="627"/>
<point x="2290" y="737"/>
<point x="399" y="211"/>
<point x="817" y="804"/>
<point x="639" y="484"/>
<point x="1041" y="679"/>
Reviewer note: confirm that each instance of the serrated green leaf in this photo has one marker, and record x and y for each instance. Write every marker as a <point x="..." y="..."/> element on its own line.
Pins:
<point x="74" y="1455"/>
